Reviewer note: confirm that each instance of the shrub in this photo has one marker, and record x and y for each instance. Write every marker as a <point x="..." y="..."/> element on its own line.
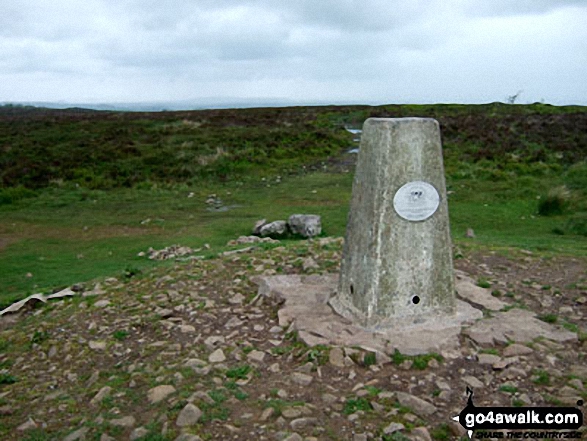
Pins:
<point x="576" y="177"/>
<point x="11" y="195"/>
<point x="578" y="224"/>
<point x="555" y="202"/>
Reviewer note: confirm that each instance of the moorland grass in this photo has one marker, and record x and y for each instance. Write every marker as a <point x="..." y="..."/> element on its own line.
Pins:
<point x="73" y="229"/>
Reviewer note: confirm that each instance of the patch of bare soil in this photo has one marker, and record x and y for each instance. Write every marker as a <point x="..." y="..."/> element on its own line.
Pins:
<point x="193" y="353"/>
<point x="4" y="243"/>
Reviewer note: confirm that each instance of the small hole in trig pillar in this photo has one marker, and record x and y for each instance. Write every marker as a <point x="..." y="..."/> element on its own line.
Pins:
<point x="352" y="290"/>
<point x="415" y="300"/>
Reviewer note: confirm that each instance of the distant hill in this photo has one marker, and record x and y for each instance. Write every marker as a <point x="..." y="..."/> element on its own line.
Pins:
<point x="161" y="106"/>
<point x="107" y="149"/>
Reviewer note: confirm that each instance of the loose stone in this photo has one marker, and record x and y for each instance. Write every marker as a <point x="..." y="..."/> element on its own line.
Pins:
<point x="188" y="416"/>
<point x="301" y="379"/>
<point x="159" y="393"/>
<point x="217" y="356"/>
<point x="419" y="406"/>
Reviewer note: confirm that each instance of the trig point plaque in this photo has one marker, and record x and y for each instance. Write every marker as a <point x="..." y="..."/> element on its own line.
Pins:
<point x="397" y="265"/>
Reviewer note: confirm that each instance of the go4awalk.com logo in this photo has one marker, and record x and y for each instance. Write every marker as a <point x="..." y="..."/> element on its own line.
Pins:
<point x="526" y="422"/>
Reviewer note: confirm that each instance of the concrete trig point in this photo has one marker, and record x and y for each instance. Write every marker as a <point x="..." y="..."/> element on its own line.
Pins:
<point x="396" y="288"/>
<point x="397" y="266"/>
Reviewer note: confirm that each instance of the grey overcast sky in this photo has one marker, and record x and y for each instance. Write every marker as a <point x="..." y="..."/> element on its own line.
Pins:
<point x="353" y="51"/>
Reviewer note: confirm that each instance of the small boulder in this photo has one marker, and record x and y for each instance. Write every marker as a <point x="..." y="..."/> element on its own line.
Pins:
<point x="306" y="225"/>
<point x="276" y="228"/>
<point x="189" y="416"/>
<point x="258" y="225"/>
<point x="159" y="393"/>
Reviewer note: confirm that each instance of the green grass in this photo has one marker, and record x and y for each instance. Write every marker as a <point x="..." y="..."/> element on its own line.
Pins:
<point x="353" y="405"/>
<point x="7" y="379"/>
<point x="128" y="191"/>
<point x="279" y="405"/>
<point x="541" y="377"/>
<point x="239" y="373"/>
<point x="508" y="389"/>
<point x="62" y="238"/>
<point x="120" y="335"/>
<point x="441" y="432"/>
<point x="318" y="354"/>
<point x="548" y="318"/>
<point x="418" y="361"/>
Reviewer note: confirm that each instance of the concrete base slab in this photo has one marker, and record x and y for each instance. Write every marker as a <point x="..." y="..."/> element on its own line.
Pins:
<point x="306" y="309"/>
<point x="518" y="325"/>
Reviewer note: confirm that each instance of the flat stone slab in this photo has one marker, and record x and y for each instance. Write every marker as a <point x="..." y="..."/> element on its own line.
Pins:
<point x="305" y="308"/>
<point x="519" y="325"/>
<point x="468" y="290"/>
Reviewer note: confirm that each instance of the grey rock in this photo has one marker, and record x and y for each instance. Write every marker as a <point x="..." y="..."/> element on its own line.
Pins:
<point x="329" y="398"/>
<point x="306" y="225"/>
<point x="519" y="325"/>
<point x="236" y="299"/>
<point x="106" y="437"/>
<point x="305" y="303"/>
<point x="159" y="393"/>
<point x="301" y="379"/>
<point x="217" y="356"/>
<point x="52" y="352"/>
<point x="102" y="303"/>
<point x="188" y="416"/>
<point x="187" y="329"/>
<point x="473" y="382"/>
<point x="258" y="225"/>
<point x="78" y="435"/>
<point x="293" y="437"/>
<point x="97" y="345"/>
<point x="27" y="425"/>
<point x="188" y="437"/>
<point x="309" y="263"/>
<point x="102" y="393"/>
<point x="419" y="406"/>
<point x="488" y="358"/>
<point x="234" y="322"/>
<point x="517" y="349"/>
<point x="577" y="384"/>
<point x="93" y="378"/>
<point x="567" y="391"/>
<point x="336" y="357"/>
<point x="267" y="413"/>
<point x="202" y="396"/>
<point x="469" y="292"/>
<point x="393" y="427"/>
<point x="456" y="429"/>
<point x="256" y="356"/>
<point x="505" y="362"/>
<point x="139" y="432"/>
<point x="274" y="368"/>
<point x="302" y="423"/>
<point x="291" y="412"/>
<point x="420" y="434"/>
<point x="127" y="421"/>
<point x="214" y="340"/>
<point x="276" y="228"/>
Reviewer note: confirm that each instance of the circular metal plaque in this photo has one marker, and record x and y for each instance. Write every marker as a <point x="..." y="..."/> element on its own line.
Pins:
<point x="416" y="201"/>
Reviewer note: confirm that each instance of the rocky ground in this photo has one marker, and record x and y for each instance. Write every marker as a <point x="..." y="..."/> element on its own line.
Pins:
<point x="191" y="352"/>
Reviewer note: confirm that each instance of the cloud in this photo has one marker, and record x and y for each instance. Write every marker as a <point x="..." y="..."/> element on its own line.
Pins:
<point x="515" y="8"/>
<point x="370" y="50"/>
